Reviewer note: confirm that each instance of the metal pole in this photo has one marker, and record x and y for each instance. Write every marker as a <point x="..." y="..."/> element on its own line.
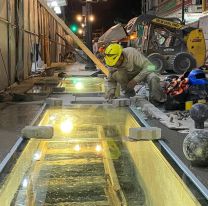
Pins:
<point x="90" y="65"/>
<point x="203" y="5"/>
<point x="183" y="10"/>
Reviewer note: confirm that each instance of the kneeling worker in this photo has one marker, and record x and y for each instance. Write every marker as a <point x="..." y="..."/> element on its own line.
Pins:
<point x="131" y="68"/>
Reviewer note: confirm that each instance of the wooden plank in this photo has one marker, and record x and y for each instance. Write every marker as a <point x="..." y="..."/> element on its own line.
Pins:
<point x="47" y="42"/>
<point x="115" y="191"/>
<point x="76" y="39"/>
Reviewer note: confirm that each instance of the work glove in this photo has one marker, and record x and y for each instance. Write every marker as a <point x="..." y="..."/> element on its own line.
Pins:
<point x="131" y="84"/>
<point x="110" y="95"/>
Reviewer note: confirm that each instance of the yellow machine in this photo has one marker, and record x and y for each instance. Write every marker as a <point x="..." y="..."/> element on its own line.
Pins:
<point x="168" y="43"/>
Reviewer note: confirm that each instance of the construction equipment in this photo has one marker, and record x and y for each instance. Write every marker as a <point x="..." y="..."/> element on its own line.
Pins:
<point x="191" y="86"/>
<point x="167" y="42"/>
<point x="170" y="45"/>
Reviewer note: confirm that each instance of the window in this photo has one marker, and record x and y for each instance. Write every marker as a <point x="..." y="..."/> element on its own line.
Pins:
<point x="198" y="2"/>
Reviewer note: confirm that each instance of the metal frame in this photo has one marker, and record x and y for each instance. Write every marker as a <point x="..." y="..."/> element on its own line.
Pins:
<point x="139" y="117"/>
<point x="174" y="157"/>
<point x="35" y="30"/>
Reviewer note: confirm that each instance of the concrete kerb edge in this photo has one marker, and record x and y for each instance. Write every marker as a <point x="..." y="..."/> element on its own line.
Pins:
<point x="153" y="112"/>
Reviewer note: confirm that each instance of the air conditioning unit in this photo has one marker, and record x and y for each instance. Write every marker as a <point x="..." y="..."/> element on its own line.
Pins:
<point x="196" y="2"/>
<point x="195" y="9"/>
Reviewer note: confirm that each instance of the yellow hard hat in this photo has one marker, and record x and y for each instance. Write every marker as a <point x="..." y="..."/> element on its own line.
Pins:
<point x="112" y="54"/>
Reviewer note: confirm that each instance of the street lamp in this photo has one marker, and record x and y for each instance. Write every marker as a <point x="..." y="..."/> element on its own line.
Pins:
<point x="80" y="31"/>
<point x="183" y="11"/>
<point x="79" y="18"/>
<point x="87" y="12"/>
<point x="88" y="33"/>
<point x="91" y="18"/>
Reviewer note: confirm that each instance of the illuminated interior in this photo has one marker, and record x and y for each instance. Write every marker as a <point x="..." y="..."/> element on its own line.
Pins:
<point x="83" y="85"/>
<point x="90" y="161"/>
<point x="73" y="85"/>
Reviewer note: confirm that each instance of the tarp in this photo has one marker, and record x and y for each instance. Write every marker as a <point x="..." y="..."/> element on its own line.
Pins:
<point x="115" y="33"/>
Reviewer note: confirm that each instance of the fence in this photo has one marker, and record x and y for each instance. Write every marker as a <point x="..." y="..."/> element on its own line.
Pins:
<point x="25" y="25"/>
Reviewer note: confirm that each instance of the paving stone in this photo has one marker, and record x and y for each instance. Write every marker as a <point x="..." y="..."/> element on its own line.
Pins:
<point x="37" y="132"/>
<point x="58" y="89"/>
<point x="121" y="102"/>
<point x="144" y="133"/>
<point x="54" y="101"/>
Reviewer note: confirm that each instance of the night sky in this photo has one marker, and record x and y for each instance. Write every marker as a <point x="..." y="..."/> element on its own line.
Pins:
<point x="107" y="13"/>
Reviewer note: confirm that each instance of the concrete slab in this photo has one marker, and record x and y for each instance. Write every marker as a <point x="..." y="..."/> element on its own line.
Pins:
<point x="144" y="133"/>
<point x="121" y="102"/>
<point x="54" y="102"/>
<point x="89" y="100"/>
<point x="66" y="98"/>
<point x="13" y="118"/>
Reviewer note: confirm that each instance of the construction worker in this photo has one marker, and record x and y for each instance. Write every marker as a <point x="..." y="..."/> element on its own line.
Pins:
<point x="129" y="68"/>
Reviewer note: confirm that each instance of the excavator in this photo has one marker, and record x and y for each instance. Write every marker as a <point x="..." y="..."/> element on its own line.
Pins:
<point x="166" y="42"/>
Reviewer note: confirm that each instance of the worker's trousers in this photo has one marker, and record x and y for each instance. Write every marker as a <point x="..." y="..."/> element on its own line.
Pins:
<point x="155" y="91"/>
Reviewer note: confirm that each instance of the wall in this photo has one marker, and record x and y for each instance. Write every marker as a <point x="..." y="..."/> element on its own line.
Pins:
<point x="167" y="7"/>
<point x="24" y="23"/>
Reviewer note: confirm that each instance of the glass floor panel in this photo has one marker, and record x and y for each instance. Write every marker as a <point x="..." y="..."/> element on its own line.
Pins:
<point x="72" y="85"/>
<point x="83" y="85"/>
<point x="90" y="161"/>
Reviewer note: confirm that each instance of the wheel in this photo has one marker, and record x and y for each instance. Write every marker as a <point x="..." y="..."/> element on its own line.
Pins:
<point x="182" y="62"/>
<point x="159" y="61"/>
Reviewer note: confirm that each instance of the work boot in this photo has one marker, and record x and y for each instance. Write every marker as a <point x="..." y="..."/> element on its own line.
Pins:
<point x="156" y="103"/>
<point x="156" y="93"/>
<point x="130" y="93"/>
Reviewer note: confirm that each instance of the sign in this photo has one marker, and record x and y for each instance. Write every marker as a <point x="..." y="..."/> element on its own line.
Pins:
<point x="167" y="23"/>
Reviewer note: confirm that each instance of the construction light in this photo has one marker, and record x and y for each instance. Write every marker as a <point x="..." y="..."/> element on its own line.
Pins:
<point x="67" y="126"/>
<point x="37" y="156"/>
<point x="79" y="18"/>
<point x="91" y="18"/>
<point x="80" y="31"/>
<point x="77" y="148"/>
<point x="52" y="117"/>
<point x="25" y="183"/>
<point x="98" y="148"/>
<point x="79" y="85"/>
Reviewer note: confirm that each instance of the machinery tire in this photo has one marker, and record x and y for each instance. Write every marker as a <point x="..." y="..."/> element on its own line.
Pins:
<point x="182" y="62"/>
<point x="159" y="61"/>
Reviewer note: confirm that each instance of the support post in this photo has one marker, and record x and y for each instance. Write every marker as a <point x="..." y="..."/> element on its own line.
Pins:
<point x="90" y="65"/>
<point x="183" y="10"/>
<point x="76" y="39"/>
<point x="204" y="5"/>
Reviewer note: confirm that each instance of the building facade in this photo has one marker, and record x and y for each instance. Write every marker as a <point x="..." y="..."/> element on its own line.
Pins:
<point x="173" y="8"/>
